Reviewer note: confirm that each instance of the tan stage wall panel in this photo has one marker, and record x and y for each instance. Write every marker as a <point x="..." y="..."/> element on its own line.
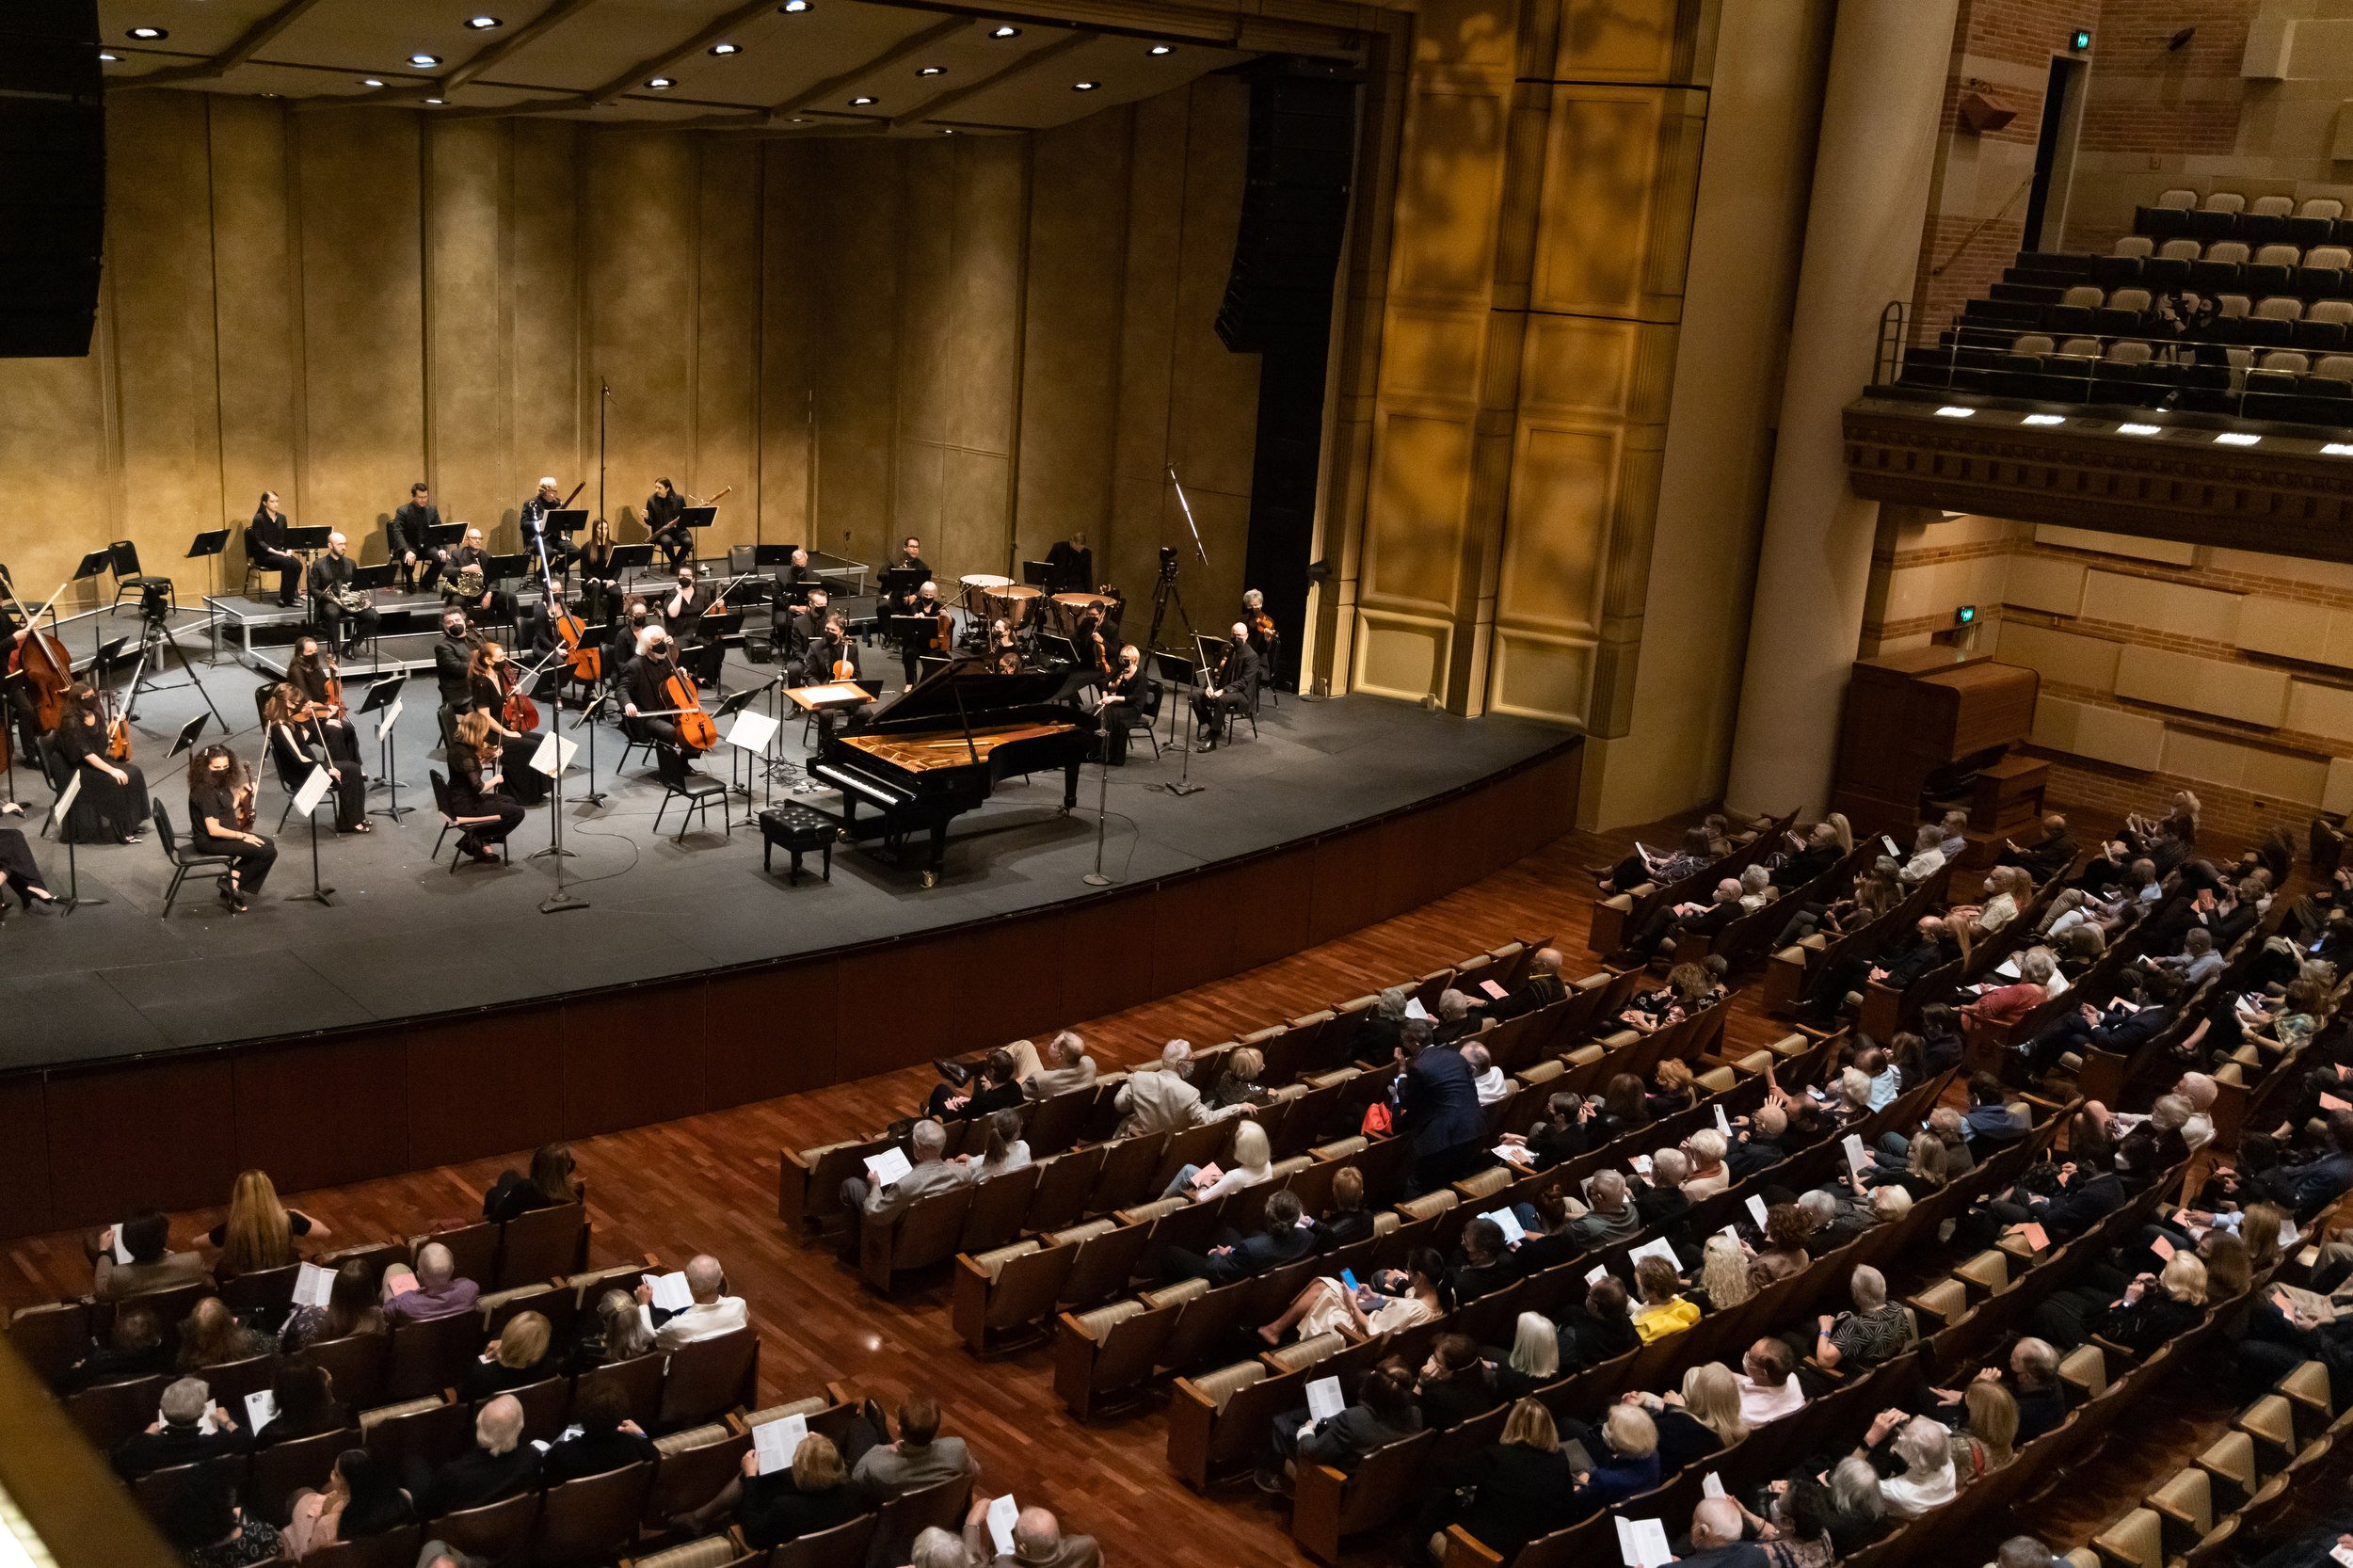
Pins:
<point x="333" y="305"/>
<point x="1526" y="350"/>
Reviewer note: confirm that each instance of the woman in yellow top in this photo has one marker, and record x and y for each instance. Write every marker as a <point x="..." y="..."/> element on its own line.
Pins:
<point x="1662" y="1311"/>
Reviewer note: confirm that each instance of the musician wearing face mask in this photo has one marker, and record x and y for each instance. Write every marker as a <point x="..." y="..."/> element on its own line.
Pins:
<point x="111" y="807"/>
<point x="1124" y="696"/>
<point x="311" y="674"/>
<point x="546" y="549"/>
<point x="599" y="577"/>
<point x="922" y="631"/>
<point x="220" y="822"/>
<point x="802" y="628"/>
<point x="1233" y="688"/>
<point x="674" y="541"/>
<point x="478" y="786"/>
<point x="408" y="537"/>
<point x="346" y="616"/>
<point x="490" y="675"/>
<point x="645" y="702"/>
<point x="299" y="744"/>
<point x="620" y="645"/>
<point x="1004" y="654"/>
<point x="266" y="547"/>
<point x="683" y="606"/>
<point x="452" y="663"/>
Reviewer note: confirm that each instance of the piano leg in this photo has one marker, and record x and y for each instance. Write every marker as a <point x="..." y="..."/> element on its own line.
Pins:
<point x="939" y="856"/>
<point x="1070" y="785"/>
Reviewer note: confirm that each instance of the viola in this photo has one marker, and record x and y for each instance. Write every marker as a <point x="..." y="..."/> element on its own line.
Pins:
<point x="695" y="732"/>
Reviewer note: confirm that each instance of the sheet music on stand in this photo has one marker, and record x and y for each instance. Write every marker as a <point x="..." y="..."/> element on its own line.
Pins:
<point x="554" y="755"/>
<point x="392" y="717"/>
<point x="752" y="732"/>
<point x="66" y="797"/>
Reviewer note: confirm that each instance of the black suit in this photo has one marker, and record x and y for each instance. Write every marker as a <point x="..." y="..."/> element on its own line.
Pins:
<point x="266" y="547"/>
<point x="408" y="532"/>
<point x="1251" y="1257"/>
<point x="592" y="1453"/>
<point x="1237" y="681"/>
<point x="451" y="655"/>
<point x="662" y="515"/>
<point x="346" y="628"/>
<point x="642" y="682"/>
<point x="143" y="1451"/>
<point x="1535" y="993"/>
<point x="1073" y="566"/>
<point x="543" y="548"/>
<point x="473" y="1479"/>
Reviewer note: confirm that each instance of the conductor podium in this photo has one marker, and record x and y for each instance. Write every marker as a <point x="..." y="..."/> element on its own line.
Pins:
<point x="1928" y="729"/>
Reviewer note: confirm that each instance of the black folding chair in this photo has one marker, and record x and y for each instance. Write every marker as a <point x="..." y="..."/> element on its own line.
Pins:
<point x="184" y="858"/>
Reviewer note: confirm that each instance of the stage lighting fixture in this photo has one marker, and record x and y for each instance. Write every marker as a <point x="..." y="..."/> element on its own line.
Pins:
<point x="860" y="101"/>
<point x="1084" y="86"/>
<point x="1159" y="49"/>
<point x="479" y="22"/>
<point x="930" y="69"/>
<point x="660" y="83"/>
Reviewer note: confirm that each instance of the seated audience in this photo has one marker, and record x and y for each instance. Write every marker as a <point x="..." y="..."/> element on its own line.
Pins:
<point x="1924" y="1447"/>
<point x="522" y="1354"/>
<point x="1768" y="1384"/>
<point x="351" y="1308"/>
<point x="1506" y="1493"/>
<point x="1162" y="1100"/>
<point x="259" y="1232"/>
<point x="206" y="1527"/>
<point x="1454" y="1385"/>
<point x="552" y="1184"/>
<point x="917" y="1458"/>
<point x="304" y="1404"/>
<point x="1383" y="1412"/>
<point x="1233" y="1257"/>
<point x="135" y="1348"/>
<point x="363" y="1498"/>
<point x="210" y="1335"/>
<point x="429" y="1291"/>
<point x="1701" y="1421"/>
<point x="1250" y="1163"/>
<point x="499" y="1465"/>
<point x="713" y="1312"/>
<point x="177" y="1437"/>
<point x="606" y="1440"/>
<point x="1395" y="1299"/>
<point x="1037" y="1540"/>
<point x="1662" y="1311"/>
<point x="154" y="1266"/>
<point x="927" y="1173"/>
<point x="1067" y="1066"/>
<point x="1877" y="1330"/>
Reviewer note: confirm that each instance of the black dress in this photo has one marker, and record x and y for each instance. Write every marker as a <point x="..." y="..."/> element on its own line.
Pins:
<point x="18" y="871"/>
<point x="218" y="801"/>
<point x="527" y="785"/>
<point x="104" y="812"/>
<point x="297" y="749"/>
<point x="472" y="798"/>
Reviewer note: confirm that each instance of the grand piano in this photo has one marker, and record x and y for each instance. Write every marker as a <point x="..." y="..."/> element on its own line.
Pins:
<point x="938" y="748"/>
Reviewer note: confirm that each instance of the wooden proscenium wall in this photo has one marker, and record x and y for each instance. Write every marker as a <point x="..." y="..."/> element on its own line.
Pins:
<point x="994" y="340"/>
<point x="1494" y="467"/>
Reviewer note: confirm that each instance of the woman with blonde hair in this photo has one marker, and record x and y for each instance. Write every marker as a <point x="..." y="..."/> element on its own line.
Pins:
<point x="1699" y="1422"/>
<point x="1992" y="1426"/>
<point x="1250" y="1162"/>
<point x="260" y="1230"/>
<point x="1509" y="1493"/>
<point x="1534" y="1359"/>
<point x="615" y="1331"/>
<point x="1725" y="1278"/>
<point x="519" y="1356"/>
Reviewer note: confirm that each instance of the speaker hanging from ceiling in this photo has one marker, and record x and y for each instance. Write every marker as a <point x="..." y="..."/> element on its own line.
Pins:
<point x="52" y="178"/>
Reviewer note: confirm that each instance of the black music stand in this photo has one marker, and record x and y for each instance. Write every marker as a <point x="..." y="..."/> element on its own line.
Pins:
<point x="1056" y="646"/>
<point x="772" y="554"/>
<point x="588" y="722"/>
<point x="209" y="546"/>
<point x="320" y="893"/>
<point x="1178" y="670"/>
<point x="562" y="898"/>
<point x="381" y="696"/>
<point x="306" y="538"/>
<point x="728" y="709"/>
<point x="900" y="580"/>
<point x="698" y="516"/>
<point x="1039" y="574"/>
<point x="92" y="563"/>
<point x="445" y="536"/>
<point x="562" y="524"/>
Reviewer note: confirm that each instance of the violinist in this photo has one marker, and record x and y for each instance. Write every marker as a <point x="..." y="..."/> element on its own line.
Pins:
<point x="801" y="629"/>
<point x="453" y="665"/>
<point x="1233" y="688"/>
<point x="682" y="608"/>
<point x="19" y="875"/>
<point x="1263" y="637"/>
<point x="478" y="785"/>
<point x="491" y="677"/>
<point x="266" y="547"/>
<point x="1094" y="651"/>
<point x="298" y="744"/>
<point x="910" y="558"/>
<point x="599" y="577"/>
<point x="112" y="805"/>
<point x="220" y="822"/>
<point x="1005" y="653"/>
<point x="924" y="628"/>
<point x="675" y="540"/>
<point x="829" y="651"/>
<point x="329" y="585"/>
<point x="311" y="674"/>
<point x="468" y="584"/>
<point x="644" y="693"/>
<point x="408" y="537"/>
<point x="1130" y="692"/>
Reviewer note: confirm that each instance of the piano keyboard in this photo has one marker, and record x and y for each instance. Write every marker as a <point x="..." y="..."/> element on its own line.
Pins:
<point x="880" y="793"/>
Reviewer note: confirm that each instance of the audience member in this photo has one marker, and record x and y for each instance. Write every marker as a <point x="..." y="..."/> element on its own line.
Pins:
<point x="606" y="1438"/>
<point x="351" y="1308"/>
<point x="1506" y="1493"/>
<point x="552" y="1183"/>
<point x="1233" y="1257"/>
<point x="1162" y="1100"/>
<point x="499" y="1465"/>
<point x="713" y="1312"/>
<point x="364" y="1498"/>
<point x="522" y="1354"/>
<point x="259" y="1232"/>
<point x="178" y="1435"/>
<point x="154" y="1266"/>
<point x="1037" y="1542"/>
<point x="918" y="1458"/>
<point x="210" y="1335"/>
<point x="430" y="1291"/>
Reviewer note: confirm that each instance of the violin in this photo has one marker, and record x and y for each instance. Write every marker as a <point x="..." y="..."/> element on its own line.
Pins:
<point x="695" y="732"/>
<point x="517" y="712"/>
<point x="244" y="808"/>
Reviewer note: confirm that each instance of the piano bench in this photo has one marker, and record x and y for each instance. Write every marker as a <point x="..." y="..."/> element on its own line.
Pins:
<point x="798" y="829"/>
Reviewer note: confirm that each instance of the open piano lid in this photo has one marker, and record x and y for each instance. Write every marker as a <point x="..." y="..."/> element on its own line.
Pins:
<point x="961" y="692"/>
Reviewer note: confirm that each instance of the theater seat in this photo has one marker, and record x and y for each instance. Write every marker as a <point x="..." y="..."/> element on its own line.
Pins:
<point x="2217" y="217"/>
<point x="2272" y="269"/>
<point x="2266" y="219"/>
<point x="2077" y="310"/>
<point x="2168" y="218"/>
<point x="2122" y="315"/>
<point x="2216" y="270"/>
<point x="2169" y="267"/>
<point x="2322" y="273"/>
<point x="2315" y="220"/>
<point x="2326" y="324"/>
<point x="2122" y="266"/>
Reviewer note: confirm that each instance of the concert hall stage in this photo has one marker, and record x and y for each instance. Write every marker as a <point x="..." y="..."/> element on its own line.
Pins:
<point x="428" y="1017"/>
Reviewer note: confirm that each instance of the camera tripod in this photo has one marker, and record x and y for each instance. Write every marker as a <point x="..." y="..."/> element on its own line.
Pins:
<point x="156" y="644"/>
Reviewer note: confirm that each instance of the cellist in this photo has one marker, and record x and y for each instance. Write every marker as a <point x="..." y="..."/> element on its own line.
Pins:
<point x="645" y="681"/>
<point x="489" y="679"/>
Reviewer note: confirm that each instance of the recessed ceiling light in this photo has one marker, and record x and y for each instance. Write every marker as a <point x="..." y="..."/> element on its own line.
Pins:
<point x="103" y="56"/>
<point x="149" y="35"/>
<point x="1954" y="410"/>
<point x="947" y="130"/>
<point x="795" y="5"/>
<point x="371" y="81"/>
<point x="2046" y="419"/>
<point x="1159" y="49"/>
<point x="479" y="22"/>
<point x="1007" y="30"/>
<point x="2236" y="438"/>
<point x="723" y="50"/>
<point x="437" y="100"/>
<point x="860" y="101"/>
<point x="2139" y="430"/>
<point x="1084" y="86"/>
<point x="2338" y="449"/>
<point x="930" y="69"/>
<point x="659" y="83"/>
<point x="424" y="59"/>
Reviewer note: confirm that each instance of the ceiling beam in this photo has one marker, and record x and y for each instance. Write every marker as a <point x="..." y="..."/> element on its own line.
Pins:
<point x="530" y="32"/>
<point x="903" y="50"/>
<point x="620" y="85"/>
<point x="246" y="46"/>
<point x="1005" y="72"/>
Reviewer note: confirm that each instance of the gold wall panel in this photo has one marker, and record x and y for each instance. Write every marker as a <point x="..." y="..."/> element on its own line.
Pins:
<point x="552" y="375"/>
<point x="727" y="325"/>
<point x="639" y="217"/>
<point x="1578" y="365"/>
<point x="255" y="294"/>
<point x="1432" y="352"/>
<point x="1447" y="195"/>
<point x="1400" y="656"/>
<point x="469" y="360"/>
<point x="1600" y="181"/>
<point x="1624" y="40"/>
<point x="1414" y="526"/>
<point x="1563" y="495"/>
<point x="1478" y="34"/>
<point x="1539" y="677"/>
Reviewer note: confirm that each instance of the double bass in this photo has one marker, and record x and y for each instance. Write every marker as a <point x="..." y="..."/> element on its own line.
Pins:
<point x="47" y="668"/>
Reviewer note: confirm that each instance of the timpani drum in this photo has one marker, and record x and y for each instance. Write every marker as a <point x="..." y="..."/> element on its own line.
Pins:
<point x="1069" y="607"/>
<point x="1014" y="602"/>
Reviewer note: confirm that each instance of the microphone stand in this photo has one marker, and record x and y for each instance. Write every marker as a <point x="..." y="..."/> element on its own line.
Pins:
<point x="588" y="721"/>
<point x="562" y="898"/>
<point x="1102" y="797"/>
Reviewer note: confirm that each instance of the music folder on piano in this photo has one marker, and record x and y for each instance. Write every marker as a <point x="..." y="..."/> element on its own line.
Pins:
<point x="937" y="749"/>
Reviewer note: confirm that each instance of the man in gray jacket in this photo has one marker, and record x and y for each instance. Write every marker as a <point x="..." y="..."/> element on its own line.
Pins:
<point x="882" y="1206"/>
<point x="147" y="1236"/>
<point x="1071" y="1068"/>
<point x="920" y="1458"/>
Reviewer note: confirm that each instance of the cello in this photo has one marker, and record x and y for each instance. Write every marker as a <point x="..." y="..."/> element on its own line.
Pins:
<point x="583" y="658"/>
<point x="695" y="732"/>
<point x="47" y="667"/>
<point x="515" y="710"/>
